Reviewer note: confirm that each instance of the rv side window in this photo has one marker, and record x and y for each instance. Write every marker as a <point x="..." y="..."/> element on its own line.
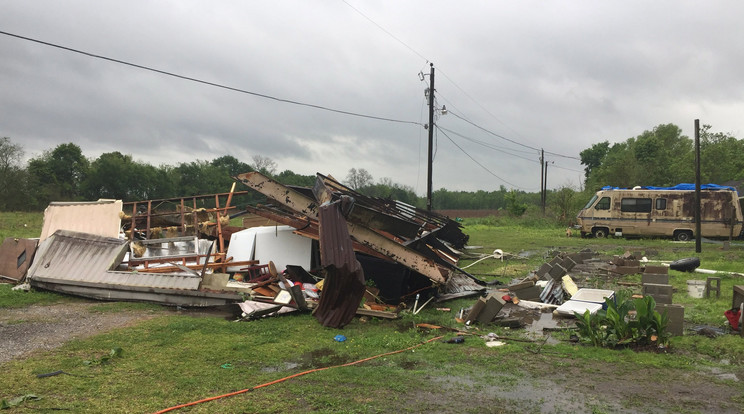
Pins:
<point x="635" y="205"/>
<point x="661" y="203"/>
<point x="603" y="204"/>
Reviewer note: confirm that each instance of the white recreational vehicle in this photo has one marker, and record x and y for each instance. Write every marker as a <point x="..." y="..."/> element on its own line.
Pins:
<point x="662" y="211"/>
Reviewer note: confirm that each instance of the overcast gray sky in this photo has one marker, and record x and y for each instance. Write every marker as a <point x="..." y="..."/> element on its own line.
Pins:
<point x="556" y="75"/>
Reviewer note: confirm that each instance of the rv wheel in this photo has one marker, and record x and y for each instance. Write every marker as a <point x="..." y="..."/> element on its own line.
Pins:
<point x="683" y="235"/>
<point x="600" y="232"/>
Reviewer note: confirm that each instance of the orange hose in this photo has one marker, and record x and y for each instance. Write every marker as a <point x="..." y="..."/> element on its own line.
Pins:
<point x="293" y="376"/>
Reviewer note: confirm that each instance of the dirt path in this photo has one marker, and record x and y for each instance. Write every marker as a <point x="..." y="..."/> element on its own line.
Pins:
<point x="25" y="330"/>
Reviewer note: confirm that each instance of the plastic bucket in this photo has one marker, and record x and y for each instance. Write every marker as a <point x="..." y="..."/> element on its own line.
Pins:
<point x="696" y="288"/>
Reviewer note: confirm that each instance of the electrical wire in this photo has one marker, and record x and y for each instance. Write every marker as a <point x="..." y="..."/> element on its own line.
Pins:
<point x="489" y="146"/>
<point x="176" y="407"/>
<point x="476" y="161"/>
<point x="386" y="31"/>
<point x="456" y="86"/>
<point x="216" y="85"/>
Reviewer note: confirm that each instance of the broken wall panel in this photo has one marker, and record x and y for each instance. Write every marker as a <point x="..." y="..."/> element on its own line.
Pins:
<point x="16" y="256"/>
<point x="92" y="217"/>
<point x="84" y="264"/>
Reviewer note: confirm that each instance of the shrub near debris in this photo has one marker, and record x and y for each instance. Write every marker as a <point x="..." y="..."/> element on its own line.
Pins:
<point x="625" y="322"/>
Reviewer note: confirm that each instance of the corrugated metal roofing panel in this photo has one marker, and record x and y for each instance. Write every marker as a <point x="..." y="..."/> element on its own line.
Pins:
<point x="81" y="257"/>
<point x="92" y="217"/>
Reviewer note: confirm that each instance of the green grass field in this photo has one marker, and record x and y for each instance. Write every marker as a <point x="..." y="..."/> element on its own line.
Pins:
<point x="175" y="358"/>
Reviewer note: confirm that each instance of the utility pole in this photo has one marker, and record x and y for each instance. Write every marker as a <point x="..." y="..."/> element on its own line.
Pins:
<point x="431" y="137"/>
<point x="542" y="180"/>
<point x="545" y="186"/>
<point x="698" y="227"/>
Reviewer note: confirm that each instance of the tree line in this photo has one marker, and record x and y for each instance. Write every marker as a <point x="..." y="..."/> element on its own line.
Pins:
<point x="661" y="156"/>
<point x="664" y="157"/>
<point x="63" y="173"/>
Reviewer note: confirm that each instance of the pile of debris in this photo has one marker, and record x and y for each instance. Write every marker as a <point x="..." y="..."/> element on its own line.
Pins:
<point x="329" y="250"/>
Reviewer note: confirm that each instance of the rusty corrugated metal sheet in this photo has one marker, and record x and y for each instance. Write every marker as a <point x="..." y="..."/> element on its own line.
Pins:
<point x="344" y="283"/>
<point x="72" y="258"/>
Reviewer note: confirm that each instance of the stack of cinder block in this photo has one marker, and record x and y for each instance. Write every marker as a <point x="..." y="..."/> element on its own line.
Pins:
<point x="655" y="283"/>
<point x="525" y="290"/>
<point x="561" y="264"/>
<point x="627" y="264"/>
<point x="485" y="309"/>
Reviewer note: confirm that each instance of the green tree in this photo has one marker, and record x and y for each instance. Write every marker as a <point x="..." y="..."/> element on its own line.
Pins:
<point x="117" y="176"/>
<point x="592" y="157"/>
<point x="231" y="165"/>
<point x="15" y="193"/>
<point x="199" y="178"/>
<point x="563" y="201"/>
<point x="386" y="188"/>
<point x="659" y="157"/>
<point x="720" y="156"/>
<point x="514" y="204"/>
<point x="287" y="177"/>
<point x="58" y="174"/>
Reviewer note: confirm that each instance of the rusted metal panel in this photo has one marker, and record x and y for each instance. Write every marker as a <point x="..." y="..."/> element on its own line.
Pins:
<point x="287" y="196"/>
<point x="344" y="283"/>
<point x="15" y="258"/>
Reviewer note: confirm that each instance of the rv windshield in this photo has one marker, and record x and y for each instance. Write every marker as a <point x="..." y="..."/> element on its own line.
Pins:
<point x="589" y="204"/>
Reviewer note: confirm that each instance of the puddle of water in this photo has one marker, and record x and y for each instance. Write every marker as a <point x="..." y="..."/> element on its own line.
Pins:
<point x="284" y="366"/>
<point x="538" y="325"/>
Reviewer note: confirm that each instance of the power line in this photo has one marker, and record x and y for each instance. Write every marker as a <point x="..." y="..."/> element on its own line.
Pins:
<point x="217" y="85"/>
<point x="386" y="31"/>
<point x="476" y="161"/>
<point x="456" y="86"/>
<point x="487" y="145"/>
<point x="481" y="106"/>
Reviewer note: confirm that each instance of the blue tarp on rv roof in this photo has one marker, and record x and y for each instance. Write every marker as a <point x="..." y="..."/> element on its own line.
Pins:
<point x="682" y="186"/>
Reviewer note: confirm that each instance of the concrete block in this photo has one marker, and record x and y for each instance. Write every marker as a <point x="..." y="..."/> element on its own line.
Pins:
<point x="659" y="270"/>
<point x="475" y="310"/>
<point x="531" y="278"/>
<point x="557" y="272"/>
<point x="586" y="255"/>
<point x="661" y="293"/>
<point x="655" y="278"/>
<point x="568" y="263"/>
<point x="676" y="314"/>
<point x="491" y="308"/>
<point x="528" y="293"/>
<point x="578" y="258"/>
<point x="627" y="270"/>
<point x="556" y="260"/>
<point x="709" y="286"/>
<point x="544" y="269"/>
<point x="521" y="285"/>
